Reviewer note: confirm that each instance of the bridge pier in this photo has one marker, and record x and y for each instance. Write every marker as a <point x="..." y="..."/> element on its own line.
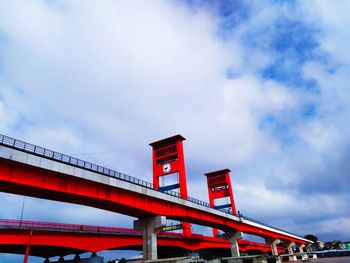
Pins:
<point x="302" y="252"/>
<point x="292" y="257"/>
<point x="233" y="238"/>
<point x="274" y="243"/>
<point x="148" y="226"/>
<point x="308" y="248"/>
<point x="76" y="258"/>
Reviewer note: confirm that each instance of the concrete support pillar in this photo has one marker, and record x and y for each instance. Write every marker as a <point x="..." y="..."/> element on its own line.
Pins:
<point x="308" y="248"/>
<point x="233" y="238"/>
<point x="302" y="252"/>
<point x="148" y="226"/>
<point x="274" y="243"/>
<point x="292" y="257"/>
<point x="76" y="258"/>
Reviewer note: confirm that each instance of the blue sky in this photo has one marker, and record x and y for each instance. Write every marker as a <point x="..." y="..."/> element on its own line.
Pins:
<point x="260" y="87"/>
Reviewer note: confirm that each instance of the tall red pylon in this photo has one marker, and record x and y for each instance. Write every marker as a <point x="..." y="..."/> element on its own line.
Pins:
<point x="219" y="186"/>
<point x="168" y="158"/>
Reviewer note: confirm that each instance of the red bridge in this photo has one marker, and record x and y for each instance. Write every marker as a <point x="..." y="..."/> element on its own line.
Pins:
<point x="30" y="170"/>
<point x="55" y="239"/>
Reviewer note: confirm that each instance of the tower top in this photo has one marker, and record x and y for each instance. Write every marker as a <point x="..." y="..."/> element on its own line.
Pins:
<point x="168" y="140"/>
<point x="223" y="171"/>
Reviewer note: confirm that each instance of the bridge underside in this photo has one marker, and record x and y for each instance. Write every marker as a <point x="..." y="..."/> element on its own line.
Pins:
<point x="45" y="243"/>
<point x="40" y="250"/>
<point x="23" y="179"/>
<point x="44" y="251"/>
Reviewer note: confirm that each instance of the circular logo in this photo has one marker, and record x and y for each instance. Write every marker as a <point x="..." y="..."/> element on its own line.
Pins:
<point x="166" y="167"/>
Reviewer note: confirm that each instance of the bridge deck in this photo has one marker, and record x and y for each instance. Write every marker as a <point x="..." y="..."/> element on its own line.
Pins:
<point x="104" y="188"/>
<point x="51" y="239"/>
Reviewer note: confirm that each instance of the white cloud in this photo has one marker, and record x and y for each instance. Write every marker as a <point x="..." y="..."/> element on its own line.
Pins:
<point x="84" y="77"/>
<point x="281" y="204"/>
<point x="341" y="226"/>
<point x="246" y="101"/>
<point x="332" y="18"/>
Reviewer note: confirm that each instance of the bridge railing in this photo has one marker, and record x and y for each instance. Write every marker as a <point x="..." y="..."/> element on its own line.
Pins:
<point x="264" y="224"/>
<point x="66" y="159"/>
<point x="18" y="224"/>
<point x="38" y="225"/>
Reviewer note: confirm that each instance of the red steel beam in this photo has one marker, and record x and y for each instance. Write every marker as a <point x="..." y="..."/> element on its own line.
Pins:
<point x="95" y="242"/>
<point x="23" y="179"/>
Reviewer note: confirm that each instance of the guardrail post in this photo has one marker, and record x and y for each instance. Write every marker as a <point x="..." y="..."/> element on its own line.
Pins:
<point x="148" y="226"/>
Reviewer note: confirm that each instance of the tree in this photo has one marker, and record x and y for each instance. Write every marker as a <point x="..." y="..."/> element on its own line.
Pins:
<point x="311" y="237"/>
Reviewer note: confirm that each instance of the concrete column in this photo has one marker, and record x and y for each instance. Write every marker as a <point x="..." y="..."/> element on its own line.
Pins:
<point x="148" y="226"/>
<point x="308" y="248"/>
<point x="302" y="252"/>
<point x="76" y="258"/>
<point x="233" y="238"/>
<point x="292" y="257"/>
<point x="274" y="243"/>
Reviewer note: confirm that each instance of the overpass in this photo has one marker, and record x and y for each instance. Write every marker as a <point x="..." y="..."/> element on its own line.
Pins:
<point x="30" y="170"/>
<point x="56" y="239"/>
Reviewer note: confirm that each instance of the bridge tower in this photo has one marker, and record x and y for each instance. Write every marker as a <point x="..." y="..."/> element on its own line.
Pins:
<point x="219" y="186"/>
<point x="168" y="160"/>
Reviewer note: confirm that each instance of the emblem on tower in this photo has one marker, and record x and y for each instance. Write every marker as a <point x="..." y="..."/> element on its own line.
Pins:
<point x="166" y="168"/>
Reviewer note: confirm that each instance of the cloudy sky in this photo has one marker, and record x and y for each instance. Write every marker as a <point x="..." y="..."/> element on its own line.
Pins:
<point x="260" y="87"/>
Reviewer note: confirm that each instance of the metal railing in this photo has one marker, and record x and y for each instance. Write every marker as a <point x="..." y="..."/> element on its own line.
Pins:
<point x="266" y="225"/>
<point x="38" y="225"/>
<point x="66" y="159"/>
<point x="24" y="224"/>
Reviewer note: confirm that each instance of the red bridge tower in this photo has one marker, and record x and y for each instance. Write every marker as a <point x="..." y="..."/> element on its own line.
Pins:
<point x="219" y="186"/>
<point x="168" y="159"/>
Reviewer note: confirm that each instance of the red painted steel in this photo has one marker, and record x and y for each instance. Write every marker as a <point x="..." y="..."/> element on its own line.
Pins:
<point x="219" y="186"/>
<point x="168" y="158"/>
<point x="86" y="238"/>
<point x="28" y="247"/>
<point x="32" y="181"/>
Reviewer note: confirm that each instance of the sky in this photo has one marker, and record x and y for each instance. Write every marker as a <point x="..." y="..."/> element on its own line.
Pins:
<point x="259" y="87"/>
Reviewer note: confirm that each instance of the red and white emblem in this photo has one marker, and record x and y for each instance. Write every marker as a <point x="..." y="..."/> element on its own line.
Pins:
<point x="166" y="168"/>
